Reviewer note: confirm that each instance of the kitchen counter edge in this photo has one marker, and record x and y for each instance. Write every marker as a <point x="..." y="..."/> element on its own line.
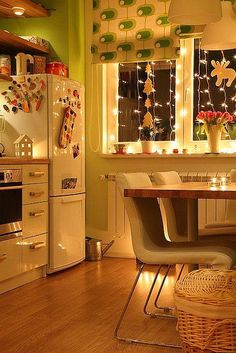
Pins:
<point x="20" y="161"/>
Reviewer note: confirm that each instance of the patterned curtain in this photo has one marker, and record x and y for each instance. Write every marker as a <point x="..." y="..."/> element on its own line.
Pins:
<point x="134" y="30"/>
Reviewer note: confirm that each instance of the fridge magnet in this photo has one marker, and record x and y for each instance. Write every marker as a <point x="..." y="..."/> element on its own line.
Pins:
<point x="76" y="151"/>
<point x="72" y="99"/>
<point x="26" y="95"/>
<point x="69" y="183"/>
<point x="66" y="132"/>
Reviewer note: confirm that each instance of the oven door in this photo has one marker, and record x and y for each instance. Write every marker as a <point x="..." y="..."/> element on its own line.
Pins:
<point x="10" y="209"/>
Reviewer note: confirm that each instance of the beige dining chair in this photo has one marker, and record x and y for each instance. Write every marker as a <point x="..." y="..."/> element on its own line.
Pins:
<point x="152" y="248"/>
<point x="174" y="212"/>
<point x="228" y="223"/>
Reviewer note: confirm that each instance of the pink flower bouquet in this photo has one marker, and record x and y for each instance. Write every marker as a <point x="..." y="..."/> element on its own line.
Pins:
<point x="215" y="118"/>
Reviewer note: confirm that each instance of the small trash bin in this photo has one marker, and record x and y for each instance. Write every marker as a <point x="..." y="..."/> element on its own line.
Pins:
<point x="94" y="249"/>
<point x="206" y="308"/>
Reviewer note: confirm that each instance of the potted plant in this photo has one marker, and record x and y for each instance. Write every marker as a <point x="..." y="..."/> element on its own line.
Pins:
<point x="148" y="134"/>
<point x="214" y="123"/>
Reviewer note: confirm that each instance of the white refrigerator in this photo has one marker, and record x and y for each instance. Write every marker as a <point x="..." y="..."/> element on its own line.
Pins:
<point x="50" y="110"/>
<point x="66" y="173"/>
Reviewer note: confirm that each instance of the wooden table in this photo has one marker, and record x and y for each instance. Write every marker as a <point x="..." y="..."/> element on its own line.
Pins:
<point x="190" y="191"/>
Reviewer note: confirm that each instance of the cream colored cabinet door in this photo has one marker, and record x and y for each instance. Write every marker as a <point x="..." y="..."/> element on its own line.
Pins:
<point x="34" y="252"/>
<point x="33" y="193"/>
<point x="35" y="219"/>
<point x="10" y="258"/>
<point x="33" y="174"/>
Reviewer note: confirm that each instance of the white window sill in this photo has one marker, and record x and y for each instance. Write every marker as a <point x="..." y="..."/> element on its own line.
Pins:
<point x="170" y="155"/>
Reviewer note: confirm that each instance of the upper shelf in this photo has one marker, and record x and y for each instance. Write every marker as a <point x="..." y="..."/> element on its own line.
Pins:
<point x="31" y="9"/>
<point x="5" y="78"/>
<point x="10" y="43"/>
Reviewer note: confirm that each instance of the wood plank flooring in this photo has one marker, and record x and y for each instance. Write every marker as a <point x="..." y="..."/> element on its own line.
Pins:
<point x="76" y="311"/>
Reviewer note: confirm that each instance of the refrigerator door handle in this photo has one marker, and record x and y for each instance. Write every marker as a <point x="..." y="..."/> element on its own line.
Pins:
<point x="37" y="213"/>
<point x="70" y="199"/>
<point x="36" y="174"/>
<point x="38" y="245"/>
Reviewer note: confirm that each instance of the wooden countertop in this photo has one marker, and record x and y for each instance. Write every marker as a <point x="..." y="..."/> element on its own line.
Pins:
<point x="20" y="161"/>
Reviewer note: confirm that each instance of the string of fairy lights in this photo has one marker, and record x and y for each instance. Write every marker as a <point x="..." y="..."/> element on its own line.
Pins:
<point x="157" y="106"/>
<point x="205" y="97"/>
<point x="204" y="93"/>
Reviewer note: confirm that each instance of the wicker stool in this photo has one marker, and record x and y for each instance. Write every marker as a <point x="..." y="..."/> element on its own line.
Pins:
<point x="206" y="308"/>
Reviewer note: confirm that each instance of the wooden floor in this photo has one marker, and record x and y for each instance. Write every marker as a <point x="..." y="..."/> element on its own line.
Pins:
<point x="76" y="311"/>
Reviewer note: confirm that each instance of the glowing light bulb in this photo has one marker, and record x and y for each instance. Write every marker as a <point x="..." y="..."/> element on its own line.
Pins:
<point x="18" y="11"/>
<point x="183" y="112"/>
<point x="183" y="51"/>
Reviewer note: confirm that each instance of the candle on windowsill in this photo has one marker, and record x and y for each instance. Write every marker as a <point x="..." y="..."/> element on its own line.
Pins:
<point x="214" y="182"/>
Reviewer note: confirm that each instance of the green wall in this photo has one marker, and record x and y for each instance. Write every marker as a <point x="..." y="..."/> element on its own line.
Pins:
<point x="64" y="29"/>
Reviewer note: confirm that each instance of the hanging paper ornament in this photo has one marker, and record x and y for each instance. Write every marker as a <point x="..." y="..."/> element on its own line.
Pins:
<point x="148" y="69"/>
<point x="148" y="120"/>
<point x="222" y="72"/>
<point x="148" y="87"/>
<point x="148" y="103"/>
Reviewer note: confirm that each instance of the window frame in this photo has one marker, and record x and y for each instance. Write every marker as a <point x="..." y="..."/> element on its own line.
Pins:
<point x="183" y="109"/>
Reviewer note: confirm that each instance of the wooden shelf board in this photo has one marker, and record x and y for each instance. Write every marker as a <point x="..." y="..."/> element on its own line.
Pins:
<point x="31" y="9"/>
<point x="12" y="43"/>
<point x="5" y="78"/>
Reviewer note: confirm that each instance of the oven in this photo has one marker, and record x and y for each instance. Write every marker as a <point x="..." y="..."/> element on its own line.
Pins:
<point x="10" y="201"/>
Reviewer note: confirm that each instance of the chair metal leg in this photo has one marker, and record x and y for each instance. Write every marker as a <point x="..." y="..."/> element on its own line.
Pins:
<point x="131" y="340"/>
<point x="160" y="290"/>
<point x="151" y="314"/>
<point x="166" y="308"/>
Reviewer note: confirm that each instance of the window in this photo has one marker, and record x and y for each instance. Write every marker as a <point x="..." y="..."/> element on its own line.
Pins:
<point x="210" y="92"/>
<point x="182" y="88"/>
<point x="131" y="104"/>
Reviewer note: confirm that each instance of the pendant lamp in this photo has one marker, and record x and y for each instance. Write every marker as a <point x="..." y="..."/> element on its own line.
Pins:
<point x="221" y="35"/>
<point x="194" y="12"/>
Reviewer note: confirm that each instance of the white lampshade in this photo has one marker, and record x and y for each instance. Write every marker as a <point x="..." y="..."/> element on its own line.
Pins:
<point x="194" y="12"/>
<point x="221" y="35"/>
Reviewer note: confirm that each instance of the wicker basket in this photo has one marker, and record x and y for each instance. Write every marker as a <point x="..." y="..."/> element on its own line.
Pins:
<point x="206" y="307"/>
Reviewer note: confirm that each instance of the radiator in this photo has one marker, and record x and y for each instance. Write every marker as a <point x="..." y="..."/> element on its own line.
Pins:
<point x="118" y="223"/>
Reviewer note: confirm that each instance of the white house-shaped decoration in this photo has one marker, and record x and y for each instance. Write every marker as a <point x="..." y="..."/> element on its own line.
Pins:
<point x="23" y="147"/>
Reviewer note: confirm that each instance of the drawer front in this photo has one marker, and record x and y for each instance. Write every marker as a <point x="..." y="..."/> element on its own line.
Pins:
<point x="35" y="193"/>
<point x="34" y="252"/>
<point x="33" y="174"/>
<point x="35" y="219"/>
<point x="10" y="258"/>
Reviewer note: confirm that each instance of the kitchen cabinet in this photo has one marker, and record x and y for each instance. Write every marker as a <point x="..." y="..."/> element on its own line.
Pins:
<point x="35" y="219"/>
<point x="33" y="174"/>
<point x="33" y="193"/>
<point x="24" y="258"/>
<point x="34" y="252"/>
<point x="10" y="258"/>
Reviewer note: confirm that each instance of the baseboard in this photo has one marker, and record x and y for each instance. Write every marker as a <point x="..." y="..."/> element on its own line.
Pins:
<point x="22" y="279"/>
